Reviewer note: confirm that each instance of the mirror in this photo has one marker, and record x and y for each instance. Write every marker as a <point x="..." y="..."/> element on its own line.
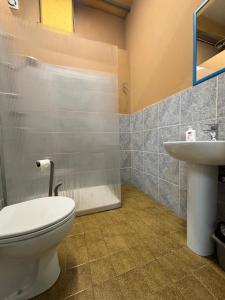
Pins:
<point x="209" y="40"/>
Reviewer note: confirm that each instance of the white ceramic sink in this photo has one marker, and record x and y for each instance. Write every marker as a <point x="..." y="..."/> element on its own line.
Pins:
<point x="199" y="152"/>
<point x="203" y="159"/>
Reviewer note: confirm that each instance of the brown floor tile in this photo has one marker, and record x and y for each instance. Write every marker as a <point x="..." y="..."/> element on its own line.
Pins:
<point x="134" y="286"/>
<point x="132" y="240"/>
<point x="169" y="293"/>
<point x="91" y="225"/>
<point x="191" y="288"/>
<point x="115" y="243"/>
<point x="180" y="237"/>
<point x="76" y="228"/>
<point x="172" y="267"/>
<point x="156" y="276"/>
<point x="108" y="290"/>
<point x="123" y="262"/>
<point x="76" y="256"/>
<point x="189" y="260"/>
<point x="212" y="280"/>
<point x="93" y="236"/>
<point x="85" y="295"/>
<point x="97" y="250"/>
<point x="101" y="270"/>
<point x="157" y="246"/>
<point x="142" y="255"/>
<point x="77" y="280"/>
<point x="76" y="240"/>
<point x="135" y="252"/>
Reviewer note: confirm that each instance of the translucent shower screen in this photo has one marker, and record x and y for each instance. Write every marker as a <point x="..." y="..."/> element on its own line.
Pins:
<point x="69" y="116"/>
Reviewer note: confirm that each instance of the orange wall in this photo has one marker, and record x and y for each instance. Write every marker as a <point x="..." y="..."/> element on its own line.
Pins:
<point x="90" y="23"/>
<point x="95" y="24"/>
<point x="159" y="44"/>
<point x="91" y="46"/>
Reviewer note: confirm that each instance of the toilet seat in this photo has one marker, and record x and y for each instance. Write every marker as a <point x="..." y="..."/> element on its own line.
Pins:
<point x="32" y="218"/>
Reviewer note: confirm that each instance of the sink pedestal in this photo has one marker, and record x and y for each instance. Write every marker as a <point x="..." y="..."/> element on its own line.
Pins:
<point x="201" y="207"/>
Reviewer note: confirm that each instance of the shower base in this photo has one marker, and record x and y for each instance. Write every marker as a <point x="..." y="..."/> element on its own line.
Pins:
<point x="94" y="199"/>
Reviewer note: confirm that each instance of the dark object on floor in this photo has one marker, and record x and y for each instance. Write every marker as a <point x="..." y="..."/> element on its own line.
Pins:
<point x="220" y="231"/>
<point x="219" y="237"/>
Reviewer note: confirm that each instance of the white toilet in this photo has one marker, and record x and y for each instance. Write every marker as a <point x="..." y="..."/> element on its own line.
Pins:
<point x="29" y="234"/>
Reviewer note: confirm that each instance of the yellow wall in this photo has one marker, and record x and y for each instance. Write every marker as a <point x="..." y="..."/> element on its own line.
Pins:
<point x="159" y="43"/>
<point x="57" y="14"/>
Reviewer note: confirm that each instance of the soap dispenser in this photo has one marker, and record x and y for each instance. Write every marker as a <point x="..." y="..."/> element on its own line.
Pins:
<point x="190" y="134"/>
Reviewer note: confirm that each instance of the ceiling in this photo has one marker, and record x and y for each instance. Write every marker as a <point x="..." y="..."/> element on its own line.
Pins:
<point x="216" y="11"/>
<point x="119" y="8"/>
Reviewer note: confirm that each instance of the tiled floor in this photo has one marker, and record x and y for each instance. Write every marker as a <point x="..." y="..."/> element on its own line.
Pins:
<point x="136" y="252"/>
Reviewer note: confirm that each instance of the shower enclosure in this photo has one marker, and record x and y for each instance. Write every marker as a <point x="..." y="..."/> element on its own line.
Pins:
<point x="66" y="115"/>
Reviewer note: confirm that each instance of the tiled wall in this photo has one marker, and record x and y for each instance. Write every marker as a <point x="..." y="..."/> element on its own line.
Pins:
<point x="144" y="160"/>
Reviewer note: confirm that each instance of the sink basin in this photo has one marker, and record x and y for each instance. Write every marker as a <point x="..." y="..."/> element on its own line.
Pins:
<point x="199" y="152"/>
<point x="203" y="159"/>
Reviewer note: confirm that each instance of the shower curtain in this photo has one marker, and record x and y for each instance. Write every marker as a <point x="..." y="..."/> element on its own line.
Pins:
<point x="66" y="115"/>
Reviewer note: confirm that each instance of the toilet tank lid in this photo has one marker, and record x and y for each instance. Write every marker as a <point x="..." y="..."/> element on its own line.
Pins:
<point x="34" y="215"/>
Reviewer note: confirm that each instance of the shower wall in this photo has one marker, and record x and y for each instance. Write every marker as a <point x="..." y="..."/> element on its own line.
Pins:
<point x="6" y="92"/>
<point x="69" y="116"/>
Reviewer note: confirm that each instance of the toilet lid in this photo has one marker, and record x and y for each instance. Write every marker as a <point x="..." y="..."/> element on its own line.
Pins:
<point x="34" y="215"/>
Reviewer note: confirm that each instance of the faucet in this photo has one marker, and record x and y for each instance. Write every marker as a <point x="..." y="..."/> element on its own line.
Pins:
<point x="212" y="131"/>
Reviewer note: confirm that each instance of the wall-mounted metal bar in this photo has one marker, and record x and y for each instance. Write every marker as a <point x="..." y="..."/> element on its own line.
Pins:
<point x="2" y="172"/>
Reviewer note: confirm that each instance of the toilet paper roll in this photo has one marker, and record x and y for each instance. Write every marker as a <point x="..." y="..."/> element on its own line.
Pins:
<point x="43" y="164"/>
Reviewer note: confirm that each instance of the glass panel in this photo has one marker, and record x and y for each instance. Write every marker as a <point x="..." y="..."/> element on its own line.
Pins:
<point x="68" y="116"/>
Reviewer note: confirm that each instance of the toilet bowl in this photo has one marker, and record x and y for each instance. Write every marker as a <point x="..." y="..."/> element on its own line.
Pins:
<point x="29" y="235"/>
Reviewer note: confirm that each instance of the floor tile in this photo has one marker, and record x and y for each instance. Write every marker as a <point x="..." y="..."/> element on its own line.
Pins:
<point x="76" y="228"/>
<point x="136" y="252"/>
<point x="93" y="236"/>
<point x="156" y="276"/>
<point x="212" y="280"/>
<point x="76" y="256"/>
<point x="77" y="279"/>
<point x="115" y="243"/>
<point x="108" y="290"/>
<point x="123" y="262"/>
<point x="85" y="295"/>
<point x="191" y="288"/>
<point x="134" y="286"/>
<point x="97" y="250"/>
<point x="142" y="255"/>
<point x="102" y="270"/>
<point x="169" y="293"/>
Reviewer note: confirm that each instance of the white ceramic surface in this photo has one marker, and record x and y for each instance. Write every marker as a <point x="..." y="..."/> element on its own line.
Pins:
<point x="203" y="158"/>
<point x="33" y="215"/>
<point x="199" y="152"/>
<point x="29" y="263"/>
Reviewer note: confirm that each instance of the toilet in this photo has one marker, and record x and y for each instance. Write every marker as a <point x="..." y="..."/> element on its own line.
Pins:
<point x="29" y="235"/>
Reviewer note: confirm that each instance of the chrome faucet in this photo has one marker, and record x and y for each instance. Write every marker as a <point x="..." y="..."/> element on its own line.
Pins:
<point x="212" y="131"/>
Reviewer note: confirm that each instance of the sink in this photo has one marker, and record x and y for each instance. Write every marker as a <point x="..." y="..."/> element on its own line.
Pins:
<point x="203" y="159"/>
<point x="199" y="152"/>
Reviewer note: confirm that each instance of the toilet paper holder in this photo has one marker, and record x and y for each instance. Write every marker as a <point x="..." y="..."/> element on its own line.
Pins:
<point x="43" y="164"/>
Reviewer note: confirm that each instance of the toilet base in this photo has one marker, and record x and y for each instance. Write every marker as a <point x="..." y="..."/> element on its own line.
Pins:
<point x="41" y="274"/>
<point x="47" y="273"/>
